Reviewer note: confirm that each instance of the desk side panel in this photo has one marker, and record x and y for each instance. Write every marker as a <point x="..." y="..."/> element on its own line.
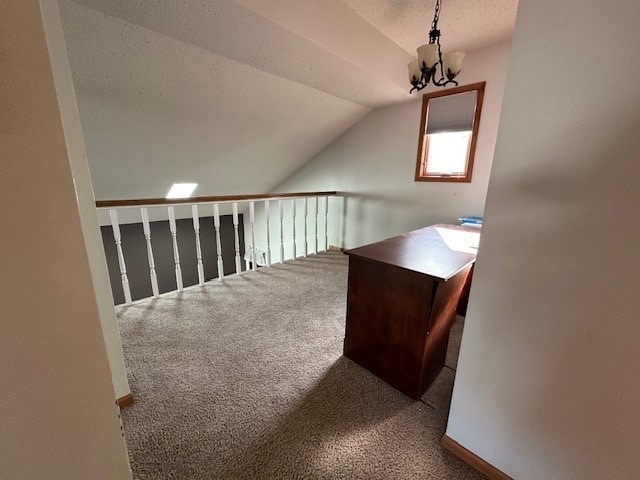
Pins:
<point x="443" y="316"/>
<point x="388" y="310"/>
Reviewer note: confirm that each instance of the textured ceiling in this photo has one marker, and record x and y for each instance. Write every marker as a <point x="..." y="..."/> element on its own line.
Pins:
<point x="321" y="43"/>
<point x="465" y="24"/>
<point x="231" y="94"/>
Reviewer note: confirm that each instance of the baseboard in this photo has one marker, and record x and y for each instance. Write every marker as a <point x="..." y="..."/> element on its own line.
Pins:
<point x="333" y="248"/>
<point x="473" y="460"/>
<point x="125" y="401"/>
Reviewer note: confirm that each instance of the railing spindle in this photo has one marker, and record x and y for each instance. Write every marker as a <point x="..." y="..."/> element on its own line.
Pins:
<point x="326" y="224"/>
<point x="252" y="221"/>
<point x="123" y="269"/>
<point x="280" y="216"/>
<point x="152" y="265"/>
<point x="237" y="237"/>
<point x="266" y="216"/>
<point x="304" y="203"/>
<point x="176" y="254"/>
<point x="216" y="226"/>
<point x="196" y="229"/>
<point x="293" y="224"/>
<point x="315" y="250"/>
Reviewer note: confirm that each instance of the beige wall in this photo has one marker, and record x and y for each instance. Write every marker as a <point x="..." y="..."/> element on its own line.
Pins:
<point x="548" y="378"/>
<point x="58" y="416"/>
<point x="374" y="162"/>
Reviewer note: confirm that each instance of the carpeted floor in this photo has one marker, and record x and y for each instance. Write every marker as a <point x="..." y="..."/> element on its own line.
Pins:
<point x="244" y="379"/>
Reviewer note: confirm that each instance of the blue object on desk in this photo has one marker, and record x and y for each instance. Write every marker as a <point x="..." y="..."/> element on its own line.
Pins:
<point x="473" y="220"/>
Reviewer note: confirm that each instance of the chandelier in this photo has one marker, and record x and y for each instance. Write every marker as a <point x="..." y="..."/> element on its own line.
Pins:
<point x="431" y="66"/>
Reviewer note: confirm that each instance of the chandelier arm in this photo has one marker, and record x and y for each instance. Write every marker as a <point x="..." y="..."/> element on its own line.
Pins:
<point x="445" y="83"/>
<point x="439" y="83"/>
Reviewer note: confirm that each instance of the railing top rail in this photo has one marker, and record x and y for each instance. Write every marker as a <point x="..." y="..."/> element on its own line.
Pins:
<point x="152" y="202"/>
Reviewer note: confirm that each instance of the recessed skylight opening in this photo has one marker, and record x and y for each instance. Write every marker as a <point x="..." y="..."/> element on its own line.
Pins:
<point x="181" y="190"/>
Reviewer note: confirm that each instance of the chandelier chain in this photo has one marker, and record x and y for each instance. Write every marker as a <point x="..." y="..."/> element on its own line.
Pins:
<point x="436" y="16"/>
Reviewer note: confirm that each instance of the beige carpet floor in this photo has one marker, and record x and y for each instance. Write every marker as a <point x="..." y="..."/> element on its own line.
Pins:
<point x="244" y="379"/>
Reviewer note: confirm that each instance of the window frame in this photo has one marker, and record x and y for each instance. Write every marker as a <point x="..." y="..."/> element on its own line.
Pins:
<point x="422" y="137"/>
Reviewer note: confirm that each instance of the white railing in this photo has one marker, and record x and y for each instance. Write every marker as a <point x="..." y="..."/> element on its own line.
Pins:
<point x="259" y="228"/>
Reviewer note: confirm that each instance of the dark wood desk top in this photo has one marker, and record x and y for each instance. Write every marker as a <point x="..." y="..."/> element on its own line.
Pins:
<point x="439" y="251"/>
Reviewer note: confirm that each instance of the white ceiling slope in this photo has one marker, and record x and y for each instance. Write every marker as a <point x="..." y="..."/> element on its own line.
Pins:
<point x="321" y="43"/>
<point x="156" y="111"/>
<point x="231" y="94"/>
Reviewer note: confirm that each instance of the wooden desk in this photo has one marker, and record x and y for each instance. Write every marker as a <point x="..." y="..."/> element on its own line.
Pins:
<point x="401" y="303"/>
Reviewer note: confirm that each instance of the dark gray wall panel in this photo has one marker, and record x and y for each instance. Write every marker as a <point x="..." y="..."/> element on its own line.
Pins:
<point x="135" y="254"/>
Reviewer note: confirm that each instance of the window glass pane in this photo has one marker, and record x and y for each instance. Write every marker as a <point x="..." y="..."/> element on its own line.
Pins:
<point x="447" y="152"/>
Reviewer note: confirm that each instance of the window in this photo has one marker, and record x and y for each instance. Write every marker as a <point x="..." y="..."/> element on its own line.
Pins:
<point x="181" y="190"/>
<point x="448" y="130"/>
<point x="447" y="153"/>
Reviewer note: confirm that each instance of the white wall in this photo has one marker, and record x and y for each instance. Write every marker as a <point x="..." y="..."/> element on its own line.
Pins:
<point x="548" y="377"/>
<point x="58" y="415"/>
<point x="374" y="162"/>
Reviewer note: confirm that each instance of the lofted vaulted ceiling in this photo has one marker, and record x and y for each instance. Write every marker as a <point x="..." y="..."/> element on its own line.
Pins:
<point x="236" y="94"/>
